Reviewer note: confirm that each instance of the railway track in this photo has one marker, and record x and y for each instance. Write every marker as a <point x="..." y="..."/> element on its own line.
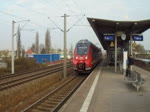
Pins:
<point x="29" y="77"/>
<point x="6" y="76"/>
<point x="53" y="101"/>
<point x="142" y="64"/>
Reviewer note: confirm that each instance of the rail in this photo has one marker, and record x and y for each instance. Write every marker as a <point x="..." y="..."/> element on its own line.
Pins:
<point x="53" y="101"/>
<point x="26" y="78"/>
<point x="5" y="76"/>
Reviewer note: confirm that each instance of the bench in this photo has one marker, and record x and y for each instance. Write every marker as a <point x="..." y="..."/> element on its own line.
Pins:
<point x="135" y="79"/>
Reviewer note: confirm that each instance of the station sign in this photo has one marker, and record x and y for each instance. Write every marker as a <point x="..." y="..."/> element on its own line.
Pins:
<point x="109" y="37"/>
<point x="134" y="44"/>
<point x="112" y="44"/>
<point x="137" y="37"/>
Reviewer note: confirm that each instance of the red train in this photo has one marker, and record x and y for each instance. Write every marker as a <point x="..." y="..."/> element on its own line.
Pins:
<point x="86" y="56"/>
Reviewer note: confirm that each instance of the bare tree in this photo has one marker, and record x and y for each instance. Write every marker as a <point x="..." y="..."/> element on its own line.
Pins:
<point x="37" y="43"/>
<point x="18" y="43"/>
<point x="139" y="48"/>
<point x="71" y="50"/>
<point x="33" y="48"/>
<point x="23" y="52"/>
<point x="59" y="50"/>
<point x="42" y="49"/>
<point x="47" y="42"/>
<point x="52" y="50"/>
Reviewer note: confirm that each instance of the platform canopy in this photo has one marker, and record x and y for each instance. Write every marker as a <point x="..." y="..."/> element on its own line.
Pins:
<point x="102" y="26"/>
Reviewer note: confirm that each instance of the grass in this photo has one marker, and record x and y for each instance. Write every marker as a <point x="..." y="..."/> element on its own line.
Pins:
<point x="21" y="64"/>
<point x="14" y="98"/>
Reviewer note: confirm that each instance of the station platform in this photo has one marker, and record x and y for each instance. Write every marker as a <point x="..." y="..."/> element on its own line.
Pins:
<point x="106" y="91"/>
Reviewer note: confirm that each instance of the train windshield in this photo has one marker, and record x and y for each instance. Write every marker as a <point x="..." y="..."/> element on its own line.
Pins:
<point x="82" y="48"/>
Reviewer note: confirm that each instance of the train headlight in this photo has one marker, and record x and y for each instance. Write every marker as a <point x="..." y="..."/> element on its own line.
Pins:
<point x="86" y="57"/>
<point x="76" y="57"/>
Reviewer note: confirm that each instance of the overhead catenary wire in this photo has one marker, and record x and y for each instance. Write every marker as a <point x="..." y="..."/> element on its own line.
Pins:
<point x="23" y="25"/>
<point x="72" y="9"/>
<point x="10" y="15"/>
<point x="49" y="17"/>
<point x="76" y="16"/>
<point x="55" y="24"/>
<point x="82" y="21"/>
<point x="56" y="5"/>
<point x="28" y="30"/>
<point x="44" y="14"/>
<point x="75" y="23"/>
<point x="36" y="12"/>
<point x="40" y="13"/>
<point x="22" y="19"/>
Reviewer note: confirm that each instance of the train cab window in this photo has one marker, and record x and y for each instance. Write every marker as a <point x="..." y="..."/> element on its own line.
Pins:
<point x="82" y="48"/>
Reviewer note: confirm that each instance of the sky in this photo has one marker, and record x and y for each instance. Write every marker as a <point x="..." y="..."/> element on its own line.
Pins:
<point x="38" y="11"/>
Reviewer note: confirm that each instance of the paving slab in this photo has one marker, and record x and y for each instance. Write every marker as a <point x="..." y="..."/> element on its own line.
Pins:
<point x="112" y="93"/>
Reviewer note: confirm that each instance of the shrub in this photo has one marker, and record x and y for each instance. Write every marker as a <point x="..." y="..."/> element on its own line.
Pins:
<point x="21" y="64"/>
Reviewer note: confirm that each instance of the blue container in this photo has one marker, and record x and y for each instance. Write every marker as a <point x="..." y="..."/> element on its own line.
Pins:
<point x="43" y="58"/>
<point x="55" y="57"/>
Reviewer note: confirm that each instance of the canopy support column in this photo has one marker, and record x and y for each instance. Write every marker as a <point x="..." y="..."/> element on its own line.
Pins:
<point x="108" y="55"/>
<point x="131" y="41"/>
<point x="115" y="52"/>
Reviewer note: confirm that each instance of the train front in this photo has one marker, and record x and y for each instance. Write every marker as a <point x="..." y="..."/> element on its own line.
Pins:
<point x="82" y="58"/>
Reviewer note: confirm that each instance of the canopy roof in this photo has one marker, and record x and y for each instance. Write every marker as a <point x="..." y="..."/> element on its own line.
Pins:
<point x="101" y="27"/>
